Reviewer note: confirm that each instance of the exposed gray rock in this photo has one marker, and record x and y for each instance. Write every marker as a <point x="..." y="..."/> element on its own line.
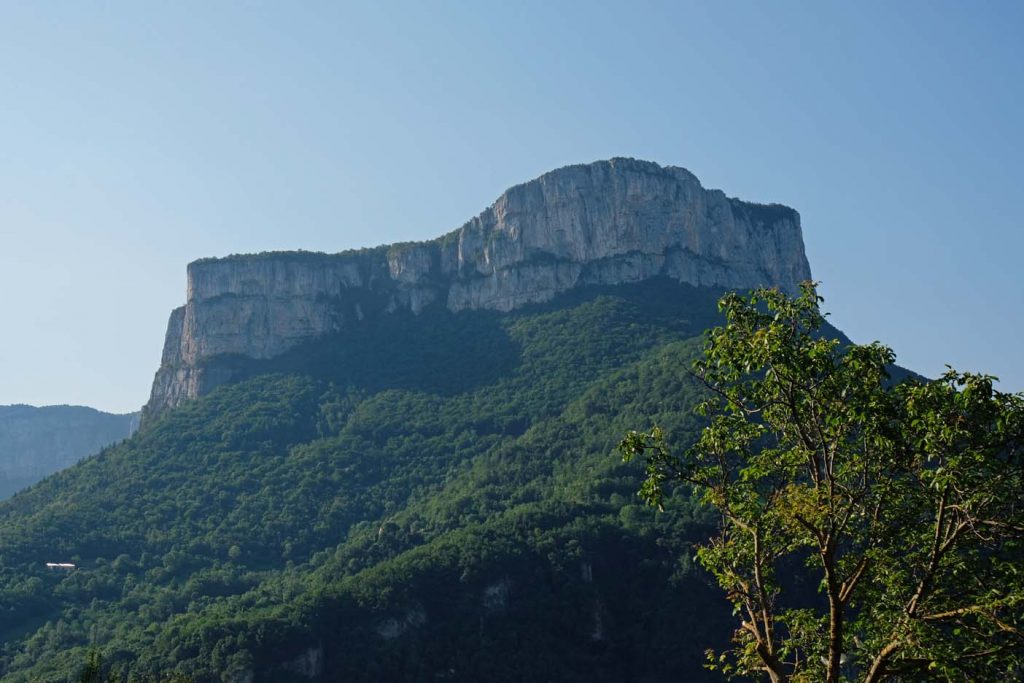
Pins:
<point x="309" y="663"/>
<point x="608" y="222"/>
<point x="495" y="598"/>
<point x="391" y="628"/>
<point x="36" y="442"/>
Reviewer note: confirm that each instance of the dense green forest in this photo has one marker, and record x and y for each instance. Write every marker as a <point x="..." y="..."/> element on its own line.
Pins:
<point x="432" y="497"/>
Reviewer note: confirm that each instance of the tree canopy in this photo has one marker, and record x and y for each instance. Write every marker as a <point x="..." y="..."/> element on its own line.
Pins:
<point x="869" y="530"/>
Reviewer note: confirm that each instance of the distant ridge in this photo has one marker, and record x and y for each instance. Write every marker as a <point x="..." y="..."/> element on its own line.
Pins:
<point x="36" y="442"/>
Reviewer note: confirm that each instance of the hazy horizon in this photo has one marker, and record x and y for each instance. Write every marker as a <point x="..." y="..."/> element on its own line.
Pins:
<point x="139" y="138"/>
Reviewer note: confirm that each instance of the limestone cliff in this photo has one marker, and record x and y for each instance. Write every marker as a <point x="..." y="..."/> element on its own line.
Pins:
<point x="607" y="222"/>
<point x="36" y="442"/>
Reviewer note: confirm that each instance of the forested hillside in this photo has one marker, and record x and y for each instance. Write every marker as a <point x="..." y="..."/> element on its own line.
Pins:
<point x="432" y="497"/>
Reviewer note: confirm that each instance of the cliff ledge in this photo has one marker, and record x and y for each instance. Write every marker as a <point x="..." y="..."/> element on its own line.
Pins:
<point x="608" y="222"/>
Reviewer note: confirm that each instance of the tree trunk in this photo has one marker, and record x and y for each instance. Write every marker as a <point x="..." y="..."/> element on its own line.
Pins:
<point x="835" y="636"/>
<point x="835" y="615"/>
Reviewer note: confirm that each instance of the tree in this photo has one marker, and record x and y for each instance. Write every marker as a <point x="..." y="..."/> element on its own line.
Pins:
<point x="901" y="502"/>
<point x="92" y="672"/>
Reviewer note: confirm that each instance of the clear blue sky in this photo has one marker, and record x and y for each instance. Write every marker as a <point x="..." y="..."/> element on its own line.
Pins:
<point x="135" y="137"/>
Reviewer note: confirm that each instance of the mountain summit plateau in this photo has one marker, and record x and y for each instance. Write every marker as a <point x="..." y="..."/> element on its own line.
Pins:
<point x="609" y="222"/>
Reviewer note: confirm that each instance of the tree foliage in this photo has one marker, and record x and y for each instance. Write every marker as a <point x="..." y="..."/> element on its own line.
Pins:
<point x="899" y="502"/>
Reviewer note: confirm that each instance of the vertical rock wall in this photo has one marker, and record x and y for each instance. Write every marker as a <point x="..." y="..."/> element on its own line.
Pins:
<point x="609" y="222"/>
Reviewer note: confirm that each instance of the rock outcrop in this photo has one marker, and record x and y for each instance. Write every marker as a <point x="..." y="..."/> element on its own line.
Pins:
<point x="36" y="442"/>
<point x="608" y="222"/>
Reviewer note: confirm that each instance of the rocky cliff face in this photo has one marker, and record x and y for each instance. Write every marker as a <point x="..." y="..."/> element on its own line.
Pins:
<point x="36" y="442"/>
<point x="609" y="222"/>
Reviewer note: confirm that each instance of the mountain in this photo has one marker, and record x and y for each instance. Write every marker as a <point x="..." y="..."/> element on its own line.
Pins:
<point x="610" y="222"/>
<point x="36" y="442"/>
<point x="399" y="464"/>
